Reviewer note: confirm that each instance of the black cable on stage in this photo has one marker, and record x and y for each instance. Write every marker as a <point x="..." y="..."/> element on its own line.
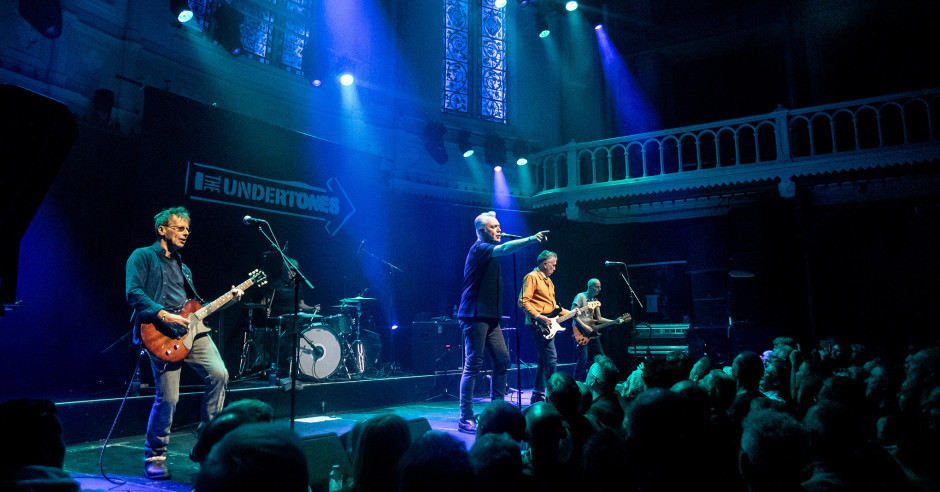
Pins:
<point x="114" y="423"/>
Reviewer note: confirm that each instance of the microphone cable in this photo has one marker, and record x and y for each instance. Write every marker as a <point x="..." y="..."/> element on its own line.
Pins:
<point x="104" y="446"/>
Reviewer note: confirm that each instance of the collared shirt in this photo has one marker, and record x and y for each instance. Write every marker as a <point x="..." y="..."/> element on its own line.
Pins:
<point x="537" y="295"/>
<point x="143" y="283"/>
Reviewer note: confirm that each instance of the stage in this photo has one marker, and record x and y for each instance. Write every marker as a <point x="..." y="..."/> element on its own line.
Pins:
<point x="324" y="412"/>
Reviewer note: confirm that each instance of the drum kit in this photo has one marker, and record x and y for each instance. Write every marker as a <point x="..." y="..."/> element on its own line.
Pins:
<point x="326" y="345"/>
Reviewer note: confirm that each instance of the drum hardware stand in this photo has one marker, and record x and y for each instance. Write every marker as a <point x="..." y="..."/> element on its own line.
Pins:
<point x="390" y="269"/>
<point x="248" y="343"/>
<point x="297" y="277"/>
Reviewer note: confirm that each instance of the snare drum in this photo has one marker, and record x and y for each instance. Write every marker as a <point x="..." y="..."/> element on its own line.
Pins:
<point x="320" y="353"/>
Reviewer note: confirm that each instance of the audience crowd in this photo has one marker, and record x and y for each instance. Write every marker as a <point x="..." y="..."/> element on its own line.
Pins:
<point x="833" y="418"/>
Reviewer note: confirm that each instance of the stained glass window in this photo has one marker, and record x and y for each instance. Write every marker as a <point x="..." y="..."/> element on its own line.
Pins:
<point x="474" y="71"/>
<point x="493" y="63"/>
<point x="456" y="55"/>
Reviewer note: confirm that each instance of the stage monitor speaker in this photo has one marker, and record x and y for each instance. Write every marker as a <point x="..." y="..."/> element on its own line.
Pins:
<point x="36" y="134"/>
<point x="322" y="452"/>
<point x="436" y="346"/>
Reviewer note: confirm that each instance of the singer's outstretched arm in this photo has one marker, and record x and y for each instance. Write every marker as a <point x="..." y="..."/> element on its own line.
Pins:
<point x="511" y="247"/>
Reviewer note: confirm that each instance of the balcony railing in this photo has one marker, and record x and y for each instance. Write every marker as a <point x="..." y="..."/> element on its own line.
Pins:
<point x="754" y="146"/>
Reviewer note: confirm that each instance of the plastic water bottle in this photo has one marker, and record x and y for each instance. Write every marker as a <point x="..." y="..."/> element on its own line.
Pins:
<point x="272" y="374"/>
<point x="336" y="479"/>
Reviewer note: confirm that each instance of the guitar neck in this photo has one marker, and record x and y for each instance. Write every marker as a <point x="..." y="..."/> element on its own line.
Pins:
<point x="221" y="301"/>
<point x="568" y="316"/>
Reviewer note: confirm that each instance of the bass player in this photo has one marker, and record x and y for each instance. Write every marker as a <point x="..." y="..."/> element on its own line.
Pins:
<point x="583" y="328"/>
<point x="157" y="285"/>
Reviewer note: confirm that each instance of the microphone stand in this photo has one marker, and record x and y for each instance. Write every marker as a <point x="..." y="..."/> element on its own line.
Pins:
<point x="633" y="297"/>
<point x="390" y="269"/>
<point x="296" y="278"/>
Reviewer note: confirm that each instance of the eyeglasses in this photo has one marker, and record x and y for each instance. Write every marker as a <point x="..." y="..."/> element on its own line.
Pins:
<point x="180" y="229"/>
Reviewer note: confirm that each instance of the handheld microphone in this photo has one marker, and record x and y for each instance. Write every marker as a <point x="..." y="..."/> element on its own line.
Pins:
<point x="363" y="243"/>
<point x="510" y="236"/>
<point x="248" y="220"/>
<point x="613" y="263"/>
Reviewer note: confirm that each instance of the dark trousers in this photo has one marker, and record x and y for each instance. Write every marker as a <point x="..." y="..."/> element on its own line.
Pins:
<point x="480" y="336"/>
<point x="548" y="359"/>
<point x="586" y="354"/>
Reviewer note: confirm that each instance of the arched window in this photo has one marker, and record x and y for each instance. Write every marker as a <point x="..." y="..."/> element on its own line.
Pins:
<point x="474" y="68"/>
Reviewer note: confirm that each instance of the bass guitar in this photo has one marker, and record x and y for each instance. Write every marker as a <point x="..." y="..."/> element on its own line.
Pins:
<point x="584" y="336"/>
<point x="554" y="326"/>
<point x="174" y="349"/>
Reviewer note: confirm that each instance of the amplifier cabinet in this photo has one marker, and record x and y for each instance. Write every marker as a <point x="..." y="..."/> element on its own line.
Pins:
<point x="436" y="346"/>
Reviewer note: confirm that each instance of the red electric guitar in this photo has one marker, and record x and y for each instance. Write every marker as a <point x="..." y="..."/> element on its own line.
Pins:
<point x="172" y="349"/>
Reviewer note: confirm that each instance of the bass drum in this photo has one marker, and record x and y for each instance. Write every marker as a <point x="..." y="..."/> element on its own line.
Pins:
<point x="320" y="353"/>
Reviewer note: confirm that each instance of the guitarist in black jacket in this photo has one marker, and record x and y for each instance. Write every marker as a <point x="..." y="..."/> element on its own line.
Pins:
<point x="157" y="285"/>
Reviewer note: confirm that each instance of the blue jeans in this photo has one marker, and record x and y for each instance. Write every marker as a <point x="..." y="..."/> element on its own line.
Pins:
<point x="207" y="361"/>
<point x="586" y="354"/>
<point x="548" y="359"/>
<point x="478" y="335"/>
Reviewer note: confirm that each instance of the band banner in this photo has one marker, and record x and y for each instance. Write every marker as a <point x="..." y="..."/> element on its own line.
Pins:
<point x="214" y="184"/>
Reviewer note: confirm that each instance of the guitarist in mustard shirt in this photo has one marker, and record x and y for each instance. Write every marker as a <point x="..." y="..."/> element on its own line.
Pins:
<point x="157" y="285"/>
<point x="537" y="299"/>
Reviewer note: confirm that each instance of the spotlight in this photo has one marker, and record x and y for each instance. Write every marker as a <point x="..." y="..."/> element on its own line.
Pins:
<point x="181" y="10"/>
<point x="434" y="141"/>
<point x="598" y="27"/>
<point x="463" y="143"/>
<point x="44" y="15"/>
<point x="571" y="6"/>
<point x="500" y="3"/>
<point x="494" y="149"/>
<point x="520" y="151"/>
<point x="228" y="33"/>
<point x="346" y="79"/>
<point x="498" y="169"/>
<point x="541" y="24"/>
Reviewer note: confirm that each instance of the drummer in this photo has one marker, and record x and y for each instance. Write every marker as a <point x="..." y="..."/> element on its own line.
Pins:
<point x="281" y="300"/>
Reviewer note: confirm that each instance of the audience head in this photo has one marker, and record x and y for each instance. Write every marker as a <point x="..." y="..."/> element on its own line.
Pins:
<point x="782" y="347"/>
<point x="833" y="430"/>
<point x="434" y="461"/>
<point x="497" y="462"/>
<point x="845" y="390"/>
<point x="603" y="376"/>
<point x="747" y="370"/>
<point x="546" y="433"/>
<point x="32" y="434"/>
<point x="774" y="451"/>
<point x="232" y="416"/>
<point x="499" y="417"/>
<point x="700" y="368"/>
<point x="252" y="457"/>
<point x="923" y="375"/>
<point x="720" y="388"/>
<point x="563" y="393"/>
<point x="380" y="443"/>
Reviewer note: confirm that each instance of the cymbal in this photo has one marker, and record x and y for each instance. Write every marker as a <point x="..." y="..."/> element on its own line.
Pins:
<point x="356" y="299"/>
<point x="347" y="306"/>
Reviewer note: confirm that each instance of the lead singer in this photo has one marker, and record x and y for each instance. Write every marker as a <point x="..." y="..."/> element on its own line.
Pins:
<point x="481" y="307"/>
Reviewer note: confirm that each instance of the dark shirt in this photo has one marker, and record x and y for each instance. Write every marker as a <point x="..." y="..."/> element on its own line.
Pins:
<point x="482" y="284"/>
<point x="283" y="302"/>
<point x="144" y="283"/>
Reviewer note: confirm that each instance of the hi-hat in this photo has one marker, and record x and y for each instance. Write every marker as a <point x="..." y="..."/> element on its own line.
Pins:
<point x="356" y="299"/>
